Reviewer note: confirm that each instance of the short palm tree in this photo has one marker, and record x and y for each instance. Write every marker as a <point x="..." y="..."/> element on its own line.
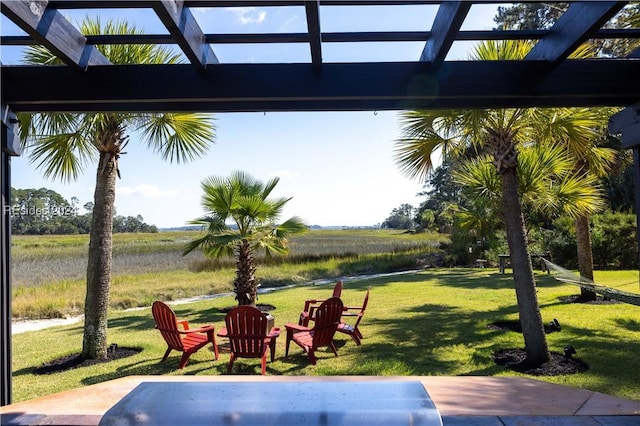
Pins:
<point x="240" y="220"/>
<point x="548" y="183"/>
<point x="500" y="133"/>
<point x="62" y="144"/>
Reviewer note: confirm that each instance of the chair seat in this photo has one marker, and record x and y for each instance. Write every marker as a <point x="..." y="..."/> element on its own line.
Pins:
<point x="304" y="338"/>
<point x="194" y="340"/>
<point x="345" y="328"/>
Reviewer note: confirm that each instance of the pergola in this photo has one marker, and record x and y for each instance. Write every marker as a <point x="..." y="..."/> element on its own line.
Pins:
<point x="88" y="82"/>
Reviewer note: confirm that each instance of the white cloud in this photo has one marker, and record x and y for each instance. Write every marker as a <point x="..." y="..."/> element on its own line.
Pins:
<point x="248" y="15"/>
<point x="147" y="191"/>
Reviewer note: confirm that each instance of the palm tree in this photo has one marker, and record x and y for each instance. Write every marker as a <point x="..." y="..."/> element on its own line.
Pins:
<point x="244" y="201"/>
<point x="62" y="144"/>
<point x="540" y="16"/>
<point x="500" y="133"/>
<point x="548" y="183"/>
<point x="592" y="161"/>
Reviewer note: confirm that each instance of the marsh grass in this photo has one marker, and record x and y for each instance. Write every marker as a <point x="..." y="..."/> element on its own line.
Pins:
<point x="49" y="271"/>
<point x="434" y="322"/>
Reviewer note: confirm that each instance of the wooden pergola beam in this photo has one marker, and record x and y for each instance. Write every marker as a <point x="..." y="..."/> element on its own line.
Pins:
<point x="574" y="27"/>
<point x="54" y="31"/>
<point x="339" y="87"/>
<point x="186" y="32"/>
<point x="445" y="27"/>
<point x="312" y="10"/>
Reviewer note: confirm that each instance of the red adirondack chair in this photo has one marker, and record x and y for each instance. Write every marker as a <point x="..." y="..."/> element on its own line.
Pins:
<point x="357" y="312"/>
<point x="327" y="318"/>
<point x="311" y="305"/>
<point x="187" y="341"/>
<point x="247" y="333"/>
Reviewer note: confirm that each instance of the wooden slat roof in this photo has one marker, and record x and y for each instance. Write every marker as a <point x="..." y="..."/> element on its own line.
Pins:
<point x="88" y="82"/>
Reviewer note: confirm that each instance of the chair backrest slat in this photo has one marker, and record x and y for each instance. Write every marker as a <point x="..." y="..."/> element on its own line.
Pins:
<point x="364" y="306"/>
<point x="337" y="290"/>
<point x="167" y="324"/>
<point x="327" y="319"/>
<point x="246" y="330"/>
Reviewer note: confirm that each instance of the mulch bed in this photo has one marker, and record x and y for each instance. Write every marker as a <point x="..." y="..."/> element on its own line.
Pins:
<point x="516" y="359"/>
<point x="76" y="360"/>
<point x="558" y="365"/>
<point x="599" y="300"/>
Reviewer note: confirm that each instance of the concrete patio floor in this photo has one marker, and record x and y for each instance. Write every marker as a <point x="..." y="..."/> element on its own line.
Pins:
<point x="461" y="400"/>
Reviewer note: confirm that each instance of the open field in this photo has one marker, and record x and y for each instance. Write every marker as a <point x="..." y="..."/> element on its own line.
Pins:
<point x="433" y="322"/>
<point x="49" y="271"/>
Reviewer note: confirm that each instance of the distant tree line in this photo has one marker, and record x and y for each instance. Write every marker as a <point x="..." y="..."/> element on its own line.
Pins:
<point x="45" y="212"/>
<point x="448" y="206"/>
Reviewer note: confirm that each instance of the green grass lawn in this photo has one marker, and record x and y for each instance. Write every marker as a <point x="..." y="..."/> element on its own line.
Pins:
<point x="428" y="323"/>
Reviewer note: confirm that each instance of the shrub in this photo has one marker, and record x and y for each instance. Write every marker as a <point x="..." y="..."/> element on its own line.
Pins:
<point x="613" y="239"/>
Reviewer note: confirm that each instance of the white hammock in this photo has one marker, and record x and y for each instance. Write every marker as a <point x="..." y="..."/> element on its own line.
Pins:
<point x="567" y="276"/>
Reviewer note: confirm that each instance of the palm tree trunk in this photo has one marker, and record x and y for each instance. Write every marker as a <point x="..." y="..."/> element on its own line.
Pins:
<point x="585" y="255"/>
<point x="245" y="283"/>
<point x="530" y="318"/>
<point x="94" y="343"/>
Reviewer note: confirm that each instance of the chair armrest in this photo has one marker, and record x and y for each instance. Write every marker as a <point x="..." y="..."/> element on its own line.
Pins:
<point x="275" y="332"/>
<point x="308" y="304"/>
<point x="296" y="327"/>
<point x="352" y="308"/>
<point x="183" y="323"/>
<point x="203" y="329"/>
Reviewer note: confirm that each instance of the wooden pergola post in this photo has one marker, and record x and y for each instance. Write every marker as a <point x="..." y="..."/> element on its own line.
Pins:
<point x="10" y="147"/>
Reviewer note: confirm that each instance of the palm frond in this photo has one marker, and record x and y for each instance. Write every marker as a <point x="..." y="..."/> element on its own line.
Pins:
<point x="579" y="194"/>
<point x="60" y="144"/>
<point x="128" y="54"/>
<point x="179" y="137"/>
<point x="293" y="225"/>
<point x="55" y="156"/>
<point x="480" y="177"/>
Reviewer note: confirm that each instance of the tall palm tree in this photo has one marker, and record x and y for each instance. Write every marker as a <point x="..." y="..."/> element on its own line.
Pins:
<point x="244" y="202"/>
<point x="540" y="16"/>
<point x="62" y="144"/>
<point x="500" y="133"/>
<point x="596" y="161"/>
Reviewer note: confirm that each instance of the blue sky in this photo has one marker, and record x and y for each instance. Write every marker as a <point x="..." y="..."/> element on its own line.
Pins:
<point x="337" y="166"/>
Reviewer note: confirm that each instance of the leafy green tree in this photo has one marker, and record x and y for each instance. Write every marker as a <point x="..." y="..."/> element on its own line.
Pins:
<point x="444" y="198"/>
<point x="62" y="144"/>
<point x="132" y="224"/>
<point x="529" y="16"/>
<point x="614" y="240"/>
<point x="253" y="226"/>
<point x="38" y="211"/>
<point x="400" y="218"/>
<point x="500" y="133"/>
